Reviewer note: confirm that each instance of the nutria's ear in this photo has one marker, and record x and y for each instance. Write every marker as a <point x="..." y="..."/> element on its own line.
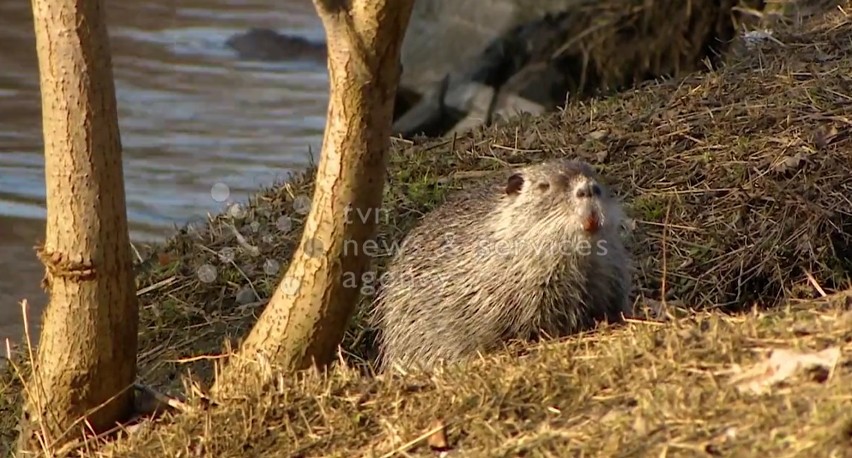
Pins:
<point x="514" y="183"/>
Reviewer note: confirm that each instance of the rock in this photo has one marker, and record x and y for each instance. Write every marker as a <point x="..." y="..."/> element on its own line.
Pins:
<point x="430" y="116"/>
<point x="589" y="48"/>
<point x="536" y="89"/>
<point x="504" y="79"/>
<point x="478" y="99"/>
<point x="443" y="35"/>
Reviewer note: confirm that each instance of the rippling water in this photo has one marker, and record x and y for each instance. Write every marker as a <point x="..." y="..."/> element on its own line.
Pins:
<point x="191" y="116"/>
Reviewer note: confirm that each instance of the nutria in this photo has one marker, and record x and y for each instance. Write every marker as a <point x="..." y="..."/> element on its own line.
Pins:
<point x="269" y="45"/>
<point x="536" y="254"/>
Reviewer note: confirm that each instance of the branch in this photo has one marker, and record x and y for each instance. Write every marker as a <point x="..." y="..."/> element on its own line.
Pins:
<point x="332" y="7"/>
<point x="339" y="19"/>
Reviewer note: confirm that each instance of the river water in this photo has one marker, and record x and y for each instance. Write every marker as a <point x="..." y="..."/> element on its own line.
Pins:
<point x="191" y="116"/>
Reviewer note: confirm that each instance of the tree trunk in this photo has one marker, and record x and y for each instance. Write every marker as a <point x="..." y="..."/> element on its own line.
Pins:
<point x="305" y="320"/>
<point x="87" y="351"/>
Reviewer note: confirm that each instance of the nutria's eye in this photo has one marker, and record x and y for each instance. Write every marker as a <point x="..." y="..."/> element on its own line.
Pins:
<point x="589" y="191"/>
<point x="596" y="190"/>
<point x="514" y="183"/>
<point x="543" y="186"/>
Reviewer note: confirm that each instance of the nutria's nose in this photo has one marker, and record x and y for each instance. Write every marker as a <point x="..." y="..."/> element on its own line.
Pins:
<point x="588" y="190"/>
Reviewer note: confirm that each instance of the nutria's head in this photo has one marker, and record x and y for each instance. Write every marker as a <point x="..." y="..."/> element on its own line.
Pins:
<point x="562" y="196"/>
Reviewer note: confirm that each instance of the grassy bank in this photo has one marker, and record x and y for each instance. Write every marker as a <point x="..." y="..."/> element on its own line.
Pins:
<point x="738" y="181"/>
<point x="642" y="390"/>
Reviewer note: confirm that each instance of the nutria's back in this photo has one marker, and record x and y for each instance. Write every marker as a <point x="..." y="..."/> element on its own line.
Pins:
<point x="537" y="252"/>
<point x="269" y="45"/>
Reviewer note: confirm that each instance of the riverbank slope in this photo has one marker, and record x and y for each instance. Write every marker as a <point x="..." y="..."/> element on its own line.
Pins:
<point x="738" y="183"/>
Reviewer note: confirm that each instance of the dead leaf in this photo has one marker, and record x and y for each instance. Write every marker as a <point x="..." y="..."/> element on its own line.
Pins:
<point x="164" y="259"/>
<point x="438" y="440"/>
<point x="789" y="163"/>
<point x="822" y="137"/>
<point x="783" y="364"/>
<point x="640" y="426"/>
<point x="599" y="134"/>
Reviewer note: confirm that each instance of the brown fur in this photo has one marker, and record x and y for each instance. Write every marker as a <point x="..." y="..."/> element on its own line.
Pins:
<point x="468" y="277"/>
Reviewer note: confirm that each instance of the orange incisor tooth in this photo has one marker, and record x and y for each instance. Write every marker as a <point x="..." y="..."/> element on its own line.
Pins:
<point x="591" y="223"/>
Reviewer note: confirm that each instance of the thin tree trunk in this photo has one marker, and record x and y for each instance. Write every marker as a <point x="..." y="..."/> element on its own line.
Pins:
<point x="306" y="318"/>
<point x="87" y="352"/>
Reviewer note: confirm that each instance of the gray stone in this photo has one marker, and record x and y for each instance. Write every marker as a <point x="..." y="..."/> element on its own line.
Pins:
<point x="442" y="35"/>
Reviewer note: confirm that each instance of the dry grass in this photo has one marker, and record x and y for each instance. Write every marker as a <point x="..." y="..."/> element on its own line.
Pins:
<point x="641" y="390"/>
<point x="738" y="181"/>
<point x="10" y="407"/>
